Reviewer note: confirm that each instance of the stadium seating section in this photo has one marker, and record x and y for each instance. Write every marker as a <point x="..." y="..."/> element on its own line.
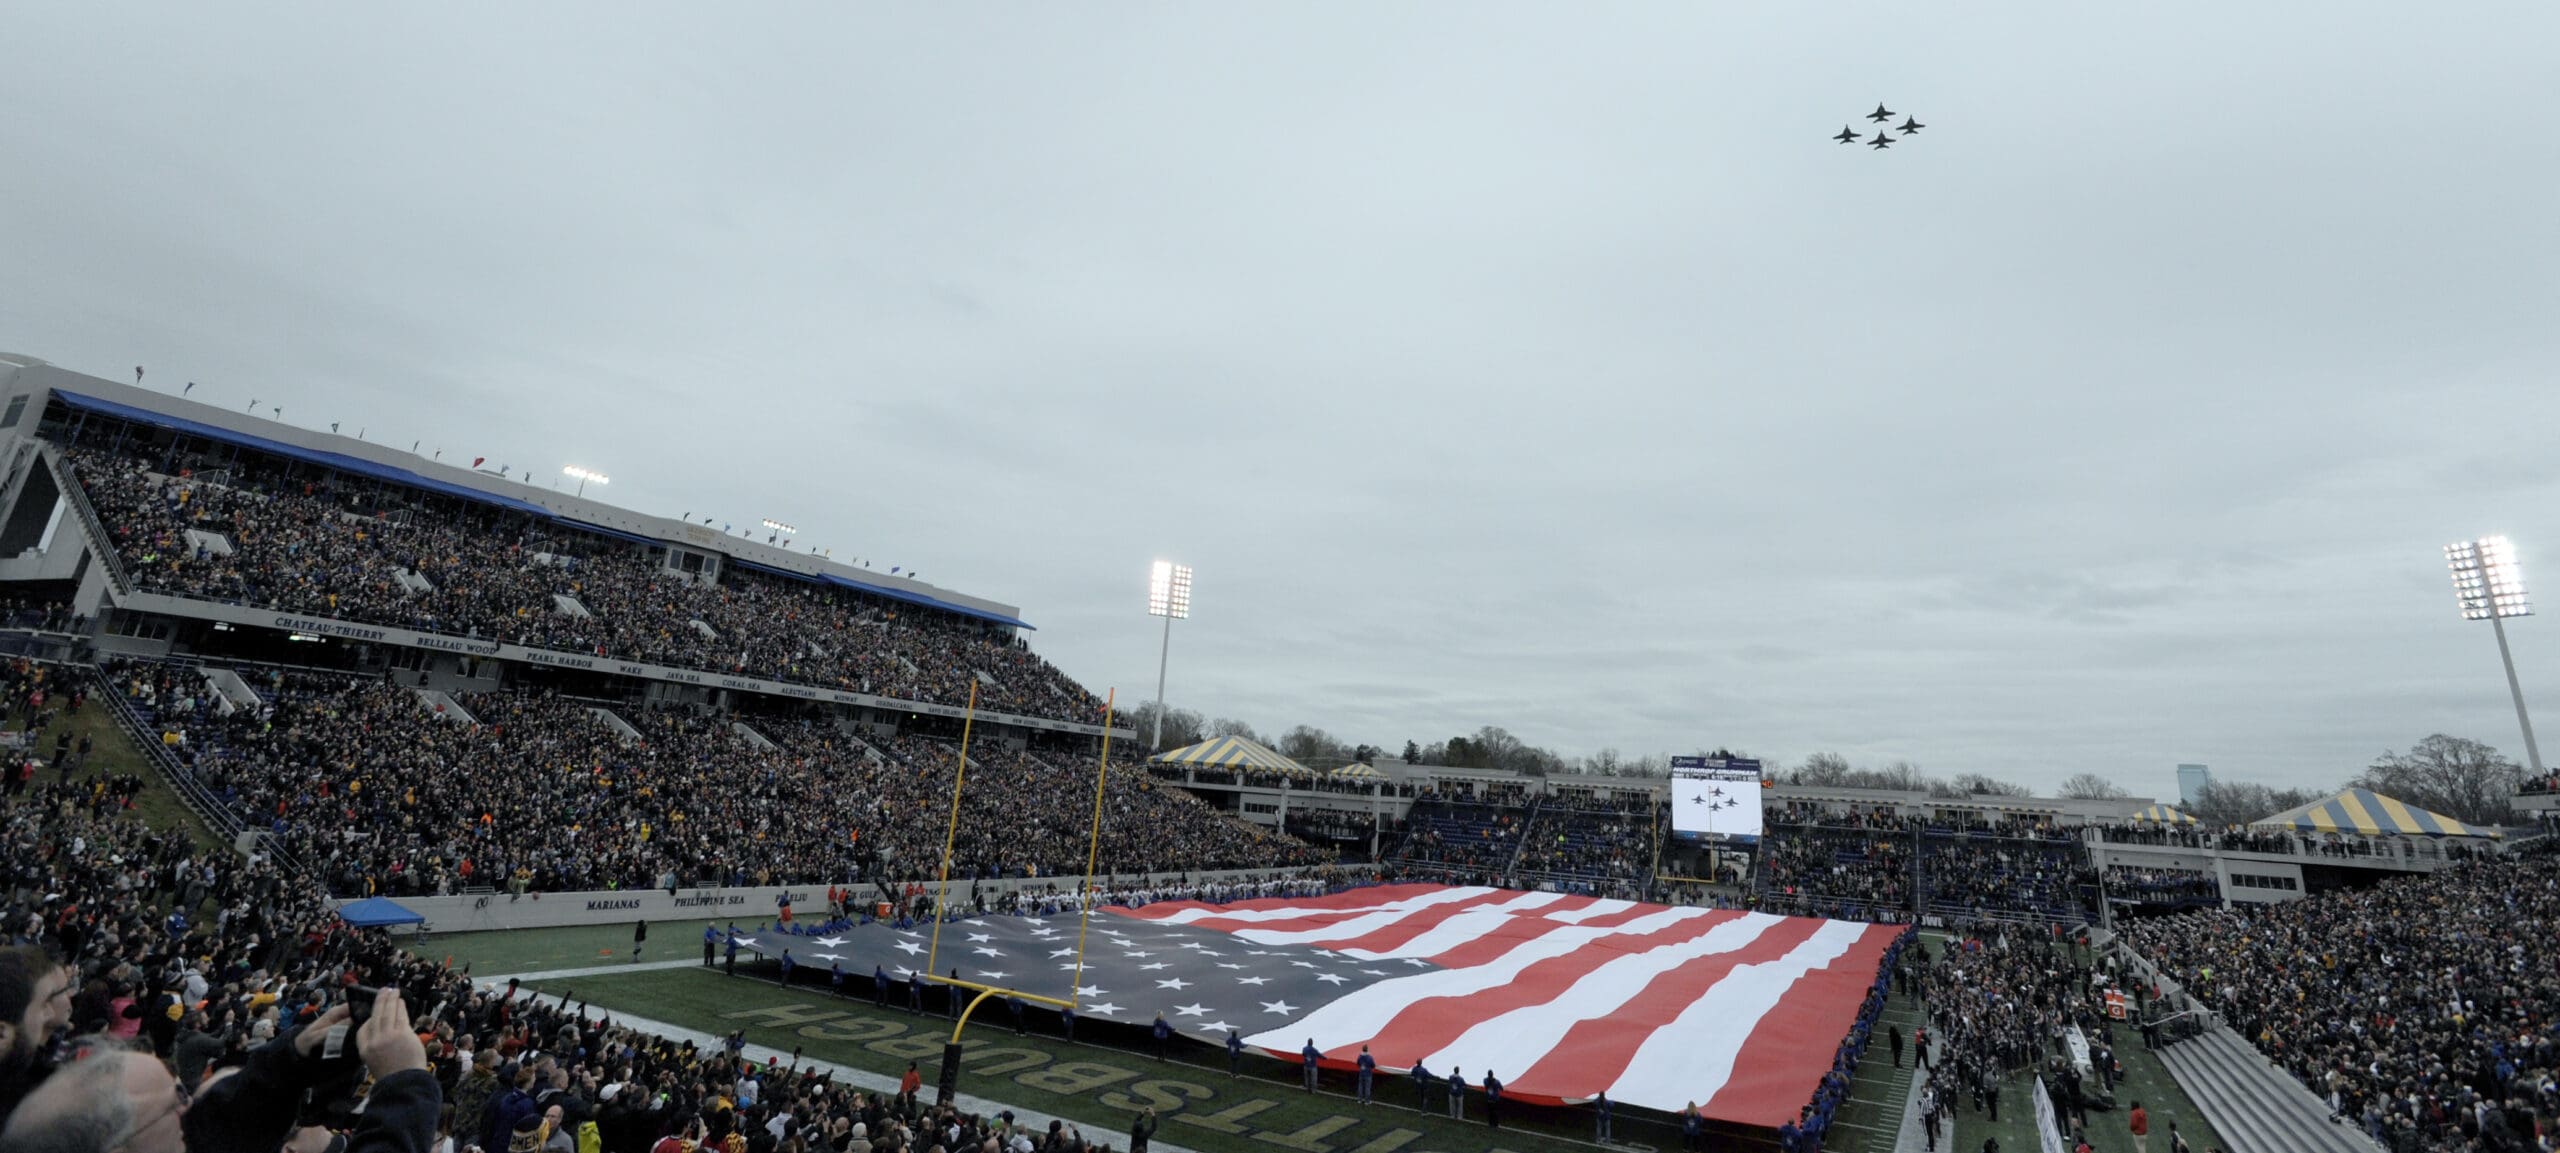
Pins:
<point x="380" y="794"/>
<point x="307" y="543"/>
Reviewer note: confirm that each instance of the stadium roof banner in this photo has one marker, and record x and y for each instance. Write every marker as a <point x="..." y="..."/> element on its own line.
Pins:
<point x="1562" y="996"/>
<point x="1236" y="753"/>
<point x="2371" y="814"/>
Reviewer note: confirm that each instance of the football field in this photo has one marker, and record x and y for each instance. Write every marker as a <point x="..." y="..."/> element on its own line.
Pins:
<point x="1097" y="1082"/>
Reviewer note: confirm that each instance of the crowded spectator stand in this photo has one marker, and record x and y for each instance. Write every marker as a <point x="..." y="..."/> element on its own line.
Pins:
<point x="385" y="796"/>
<point x="2425" y="1009"/>
<point x="265" y="533"/>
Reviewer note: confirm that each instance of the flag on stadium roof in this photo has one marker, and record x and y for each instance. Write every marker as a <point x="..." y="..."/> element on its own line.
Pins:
<point x="1235" y="753"/>
<point x="2372" y="814"/>
<point x="1563" y="997"/>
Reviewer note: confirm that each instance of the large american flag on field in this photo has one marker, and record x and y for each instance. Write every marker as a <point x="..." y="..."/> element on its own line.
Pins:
<point x="1562" y="997"/>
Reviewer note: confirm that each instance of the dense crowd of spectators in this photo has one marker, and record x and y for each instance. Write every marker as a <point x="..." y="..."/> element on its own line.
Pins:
<point x="204" y="992"/>
<point x="2161" y="885"/>
<point x="326" y="548"/>
<point x="1588" y="843"/>
<point x="2426" y="1009"/>
<point x="364" y="782"/>
<point x="1886" y="867"/>
<point x="1459" y="841"/>
<point x="1841" y="871"/>
<point x="1974" y="876"/>
<point x="2235" y="840"/>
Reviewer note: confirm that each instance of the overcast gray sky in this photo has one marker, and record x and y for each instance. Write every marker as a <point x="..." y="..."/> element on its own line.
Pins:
<point x="1533" y="365"/>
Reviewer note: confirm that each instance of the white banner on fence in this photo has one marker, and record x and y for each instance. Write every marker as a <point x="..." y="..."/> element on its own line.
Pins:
<point x="480" y="912"/>
<point x="2048" y="1127"/>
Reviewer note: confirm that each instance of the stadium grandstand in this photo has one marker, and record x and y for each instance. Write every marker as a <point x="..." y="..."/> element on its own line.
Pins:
<point x="515" y="713"/>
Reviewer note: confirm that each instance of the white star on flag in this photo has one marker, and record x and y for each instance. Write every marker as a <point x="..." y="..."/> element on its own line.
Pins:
<point x="1156" y="965"/>
<point x="1224" y="965"/>
<point x="1090" y="990"/>
<point x="977" y="924"/>
<point x="746" y="940"/>
<point x="1175" y="983"/>
<point x="976" y="937"/>
<point x="1106" y="1008"/>
<point x="1062" y="952"/>
<point x="831" y="956"/>
<point x="1191" y="1011"/>
<point x="1215" y="1026"/>
<point x="1281" y="1007"/>
<point x="984" y="951"/>
<point x="831" y="942"/>
<point x="1331" y="978"/>
<point x="991" y="975"/>
<point x="910" y="947"/>
<point x="1136" y="955"/>
<point x="1252" y="980"/>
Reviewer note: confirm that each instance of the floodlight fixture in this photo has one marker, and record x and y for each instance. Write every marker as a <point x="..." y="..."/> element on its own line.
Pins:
<point x="780" y="527"/>
<point x="1168" y="596"/>
<point x="2487" y="581"/>
<point x="2488" y="584"/>
<point x="1169" y="591"/>
<point x="584" y="476"/>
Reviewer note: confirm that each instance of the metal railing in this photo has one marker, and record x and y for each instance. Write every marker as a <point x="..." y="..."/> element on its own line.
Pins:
<point x="100" y="542"/>
<point x="190" y="789"/>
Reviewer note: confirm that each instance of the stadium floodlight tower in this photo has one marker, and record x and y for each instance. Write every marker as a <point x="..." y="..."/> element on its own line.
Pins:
<point x="2489" y="585"/>
<point x="584" y="475"/>
<point x="1168" y="596"/>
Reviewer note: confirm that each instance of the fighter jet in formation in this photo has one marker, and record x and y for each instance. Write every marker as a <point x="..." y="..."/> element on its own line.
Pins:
<point x="1882" y="117"/>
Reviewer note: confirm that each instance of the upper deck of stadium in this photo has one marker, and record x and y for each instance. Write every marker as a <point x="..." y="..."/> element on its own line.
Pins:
<point x="64" y="433"/>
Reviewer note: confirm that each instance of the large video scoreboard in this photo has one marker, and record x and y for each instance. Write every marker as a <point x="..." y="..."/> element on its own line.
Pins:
<point x="1715" y="797"/>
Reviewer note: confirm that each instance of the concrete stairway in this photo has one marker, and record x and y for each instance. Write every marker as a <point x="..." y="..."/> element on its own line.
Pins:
<point x="2254" y="1105"/>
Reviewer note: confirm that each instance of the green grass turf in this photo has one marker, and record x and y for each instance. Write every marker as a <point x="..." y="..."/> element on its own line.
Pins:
<point x="1099" y="1087"/>
<point x="112" y="752"/>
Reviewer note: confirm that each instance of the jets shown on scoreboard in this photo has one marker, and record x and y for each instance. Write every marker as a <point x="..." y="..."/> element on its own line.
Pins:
<point x="1715" y="797"/>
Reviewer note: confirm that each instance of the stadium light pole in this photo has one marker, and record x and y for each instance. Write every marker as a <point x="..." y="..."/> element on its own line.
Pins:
<point x="1168" y="596"/>
<point x="2489" y="585"/>
<point x="778" y="528"/>
<point x="583" y="475"/>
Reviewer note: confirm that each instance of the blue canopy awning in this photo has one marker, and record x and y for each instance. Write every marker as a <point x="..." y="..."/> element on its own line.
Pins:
<point x="337" y="460"/>
<point x="375" y="912"/>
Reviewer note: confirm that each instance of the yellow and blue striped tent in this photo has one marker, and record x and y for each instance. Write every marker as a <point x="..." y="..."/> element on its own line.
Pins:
<point x="2372" y="814"/>
<point x="1235" y="754"/>
<point x="2162" y="815"/>
<point x="1357" y="771"/>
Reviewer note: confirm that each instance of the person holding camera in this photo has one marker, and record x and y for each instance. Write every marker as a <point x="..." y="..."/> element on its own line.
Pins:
<point x="112" y="1098"/>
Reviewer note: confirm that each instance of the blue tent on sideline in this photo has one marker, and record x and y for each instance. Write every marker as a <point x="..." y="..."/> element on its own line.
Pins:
<point x="375" y="912"/>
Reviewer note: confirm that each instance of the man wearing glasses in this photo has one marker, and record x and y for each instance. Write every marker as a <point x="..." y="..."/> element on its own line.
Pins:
<point x="113" y="1100"/>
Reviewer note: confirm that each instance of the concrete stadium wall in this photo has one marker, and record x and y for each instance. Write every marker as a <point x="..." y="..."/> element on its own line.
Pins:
<point x="479" y="912"/>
